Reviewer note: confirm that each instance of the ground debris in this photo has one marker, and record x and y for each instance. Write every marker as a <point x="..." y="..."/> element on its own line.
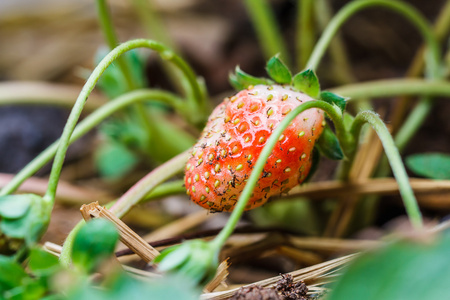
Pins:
<point x="256" y="292"/>
<point x="290" y="290"/>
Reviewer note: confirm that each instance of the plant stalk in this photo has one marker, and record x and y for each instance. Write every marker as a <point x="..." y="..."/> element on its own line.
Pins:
<point x="395" y="161"/>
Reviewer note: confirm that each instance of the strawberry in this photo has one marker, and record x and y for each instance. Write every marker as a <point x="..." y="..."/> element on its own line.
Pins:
<point x="233" y="138"/>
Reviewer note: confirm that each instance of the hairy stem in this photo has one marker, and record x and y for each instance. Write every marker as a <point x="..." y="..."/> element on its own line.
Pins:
<point x="335" y="116"/>
<point x="395" y="161"/>
<point x="267" y="30"/>
<point x="402" y="8"/>
<point x="88" y="124"/>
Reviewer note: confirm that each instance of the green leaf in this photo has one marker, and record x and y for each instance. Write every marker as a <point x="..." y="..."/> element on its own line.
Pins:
<point x="113" y="82"/>
<point x="278" y="71"/>
<point x="11" y="274"/>
<point x="94" y="243"/>
<point x="196" y="260"/>
<point x="328" y="145"/>
<point x="307" y="82"/>
<point x="334" y="99"/>
<point x="42" y="263"/>
<point x="14" y="206"/>
<point x="114" y="160"/>
<point x="430" y="165"/>
<point x="31" y="225"/>
<point x="413" y="270"/>
<point x="247" y="80"/>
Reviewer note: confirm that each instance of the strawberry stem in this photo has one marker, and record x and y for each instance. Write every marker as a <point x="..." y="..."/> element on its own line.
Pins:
<point x="395" y="161"/>
<point x="89" y="123"/>
<point x="138" y="191"/>
<point x="402" y="8"/>
<point x="333" y="112"/>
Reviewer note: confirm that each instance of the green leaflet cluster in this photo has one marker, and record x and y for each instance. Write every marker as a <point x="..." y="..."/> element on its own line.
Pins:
<point x="306" y="82"/>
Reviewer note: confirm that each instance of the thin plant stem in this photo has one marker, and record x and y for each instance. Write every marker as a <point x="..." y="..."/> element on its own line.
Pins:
<point x="395" y="161"/>
<point x="112" y="40"/>
<point x="88" y="124"/>
<point x="393" y="87"/>
<point x="335" y="116"/>
<point x="267" y="29"/>
<point x="402" y="8"/>
<point x="441" y="30"/>
<point x="87" y="89"/>
<point x="166" y="189"/>
<point x="154" y="25"/>
<point x="305" y="31"/>
<point x="138" y="191"/>
<point x="340" y="61"/>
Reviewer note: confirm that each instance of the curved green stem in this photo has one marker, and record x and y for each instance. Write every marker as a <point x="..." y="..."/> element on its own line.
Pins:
<point x="138" y="192"/>
<point x="402" y="8"/>
<point x="266" y="27"/>
<point x="336" y="117"/>
<point x="395" y="161"/>
<point x="89" y="86"/>
<point x="86" y="125"/>
<point x="413" y="122"/>
<point x="166" y="189"/>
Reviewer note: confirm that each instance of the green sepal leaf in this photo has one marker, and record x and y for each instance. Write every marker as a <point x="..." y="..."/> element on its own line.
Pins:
<point x="93" y="244"/>
<point x="334" y="99"/>
<point x="234" y="82"/>
<point x="14" y="206"/>
<point x="30" y="225"/>
<point x="307" y="82"/>
<point x="246" y="80"/>
<point x="197" y="260"/>
<point x="430" y="165"/>
<point x="328" y="145"/>
<point x="412" y="270"/>
<point x="278" y="71"/>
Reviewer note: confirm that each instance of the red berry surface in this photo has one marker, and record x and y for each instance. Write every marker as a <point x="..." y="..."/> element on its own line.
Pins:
<point x="236" y="132"/>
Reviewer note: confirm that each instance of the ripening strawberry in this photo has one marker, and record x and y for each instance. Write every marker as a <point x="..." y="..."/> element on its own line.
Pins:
<point x="236" y="132"/>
